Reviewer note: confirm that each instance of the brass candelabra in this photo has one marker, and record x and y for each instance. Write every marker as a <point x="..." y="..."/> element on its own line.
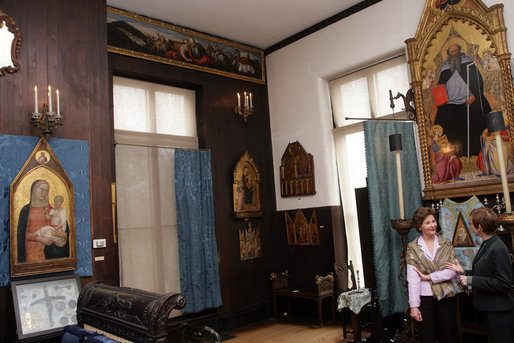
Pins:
<point x="46" y="121"/>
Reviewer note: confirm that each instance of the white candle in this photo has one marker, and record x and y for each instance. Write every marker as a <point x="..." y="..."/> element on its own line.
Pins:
<point x="238" y="100"/>
<point x="49" y="98"/>
<point x="246" y="99"/>
<point x="35" y="99"/>
<point x="251" y="100"/>
<point x="58" y="103"/>
<point x="503" y="173"/>
<point x="400" y="184"/>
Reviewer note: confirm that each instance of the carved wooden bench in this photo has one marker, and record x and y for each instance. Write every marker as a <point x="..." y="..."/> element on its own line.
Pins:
<point x="323" y="288"/>
<point x="127" y="314"/>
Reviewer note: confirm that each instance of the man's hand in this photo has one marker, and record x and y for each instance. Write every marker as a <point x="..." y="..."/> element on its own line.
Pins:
<point x="470" y="100"/>
<point x="463" y="279"/>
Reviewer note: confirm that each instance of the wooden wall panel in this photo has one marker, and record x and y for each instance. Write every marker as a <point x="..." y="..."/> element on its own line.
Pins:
<point x="243" y="283"/>
<point x="64" y="44"/>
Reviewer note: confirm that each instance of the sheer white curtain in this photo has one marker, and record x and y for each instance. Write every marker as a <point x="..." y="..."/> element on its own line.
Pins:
<point x="361" y="94"/>
<point x="149" y="120"/>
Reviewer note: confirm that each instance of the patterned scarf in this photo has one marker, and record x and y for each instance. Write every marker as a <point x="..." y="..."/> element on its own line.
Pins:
<point x="446" y="253"/>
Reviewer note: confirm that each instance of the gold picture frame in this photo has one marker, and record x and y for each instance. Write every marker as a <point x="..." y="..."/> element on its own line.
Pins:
<point x="246" y="188"/>
<point x="453" y="166"/>
<point x="138" y="36"/>
<point x="42" y="216"/>
<point x="10" y="39"/>
<point x="297" y="172"/>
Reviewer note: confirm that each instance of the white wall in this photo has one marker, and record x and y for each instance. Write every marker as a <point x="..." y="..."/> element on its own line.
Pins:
<point x="297" y="84"/>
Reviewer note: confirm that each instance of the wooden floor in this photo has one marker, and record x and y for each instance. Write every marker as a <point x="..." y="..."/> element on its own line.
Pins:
<point x="271" y="331"/>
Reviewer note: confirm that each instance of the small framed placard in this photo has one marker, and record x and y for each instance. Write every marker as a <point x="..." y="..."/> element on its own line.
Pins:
<point x="45" y="305"/>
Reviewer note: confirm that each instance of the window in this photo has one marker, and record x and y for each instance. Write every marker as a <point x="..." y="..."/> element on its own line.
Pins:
<point x="149" y="121"/>
<point x="361" y="94"/>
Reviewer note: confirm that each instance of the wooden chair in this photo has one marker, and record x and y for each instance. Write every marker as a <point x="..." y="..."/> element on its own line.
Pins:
<point x="343" y="284"/>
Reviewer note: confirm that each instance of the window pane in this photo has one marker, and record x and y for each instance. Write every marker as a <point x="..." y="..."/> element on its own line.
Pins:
<point x="130" y="108"/>
<point x="395" y="79"/>
<point x="175" y="115"/>
<point x="355" y="98"/>
<point x="356" y="154"/>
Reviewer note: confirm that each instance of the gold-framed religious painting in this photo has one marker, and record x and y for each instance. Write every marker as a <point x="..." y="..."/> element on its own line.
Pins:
<point x="297" y="172"/>
<point x="138" y="36"/>
<point x="42" y="216"/>
<point x="301" y="231"/>
<point x="249" y="242"/>
<point x="460" y="70"/>
<point x="246" y="188"/>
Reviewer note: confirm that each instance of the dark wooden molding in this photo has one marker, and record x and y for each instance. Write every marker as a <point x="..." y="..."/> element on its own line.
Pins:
<point x="321" y="25"/>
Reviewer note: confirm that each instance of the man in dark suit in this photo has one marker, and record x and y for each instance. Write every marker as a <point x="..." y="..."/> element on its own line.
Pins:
<point x="491" y="277"/>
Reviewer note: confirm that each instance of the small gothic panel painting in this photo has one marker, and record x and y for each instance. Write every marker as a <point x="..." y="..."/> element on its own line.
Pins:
<point x="300" y="231"/>
<point x="246" y="193"/>
<point x="42" y="216"/>
<point x="296" y="172"/>
<point x="250" y="242"/>
<point x="461" y="73"/>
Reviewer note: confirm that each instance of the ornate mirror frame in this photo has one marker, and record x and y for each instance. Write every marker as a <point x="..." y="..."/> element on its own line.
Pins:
<point x="479" y="30"/>
<point x="9" y="32"/>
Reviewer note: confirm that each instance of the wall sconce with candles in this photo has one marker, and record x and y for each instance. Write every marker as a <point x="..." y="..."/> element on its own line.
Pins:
<point x="47" y="120"/>
<point x="246" y="109"/>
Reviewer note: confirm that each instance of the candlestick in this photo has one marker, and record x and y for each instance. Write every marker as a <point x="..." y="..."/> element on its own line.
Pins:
<point x="238" y="100"/>
<point x="400" y="184"/>
<point x="503" y="173"/>
<point x="49" y="98"/>
<point x="246" y="99"/>
<point x="35" y="100"/>
<point x="58" y="103"/>
<point x="251" y="99"/>
<point x="395" y="144"/>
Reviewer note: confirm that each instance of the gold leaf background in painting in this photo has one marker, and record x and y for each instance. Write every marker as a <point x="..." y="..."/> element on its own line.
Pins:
<point x="57" y="187"/>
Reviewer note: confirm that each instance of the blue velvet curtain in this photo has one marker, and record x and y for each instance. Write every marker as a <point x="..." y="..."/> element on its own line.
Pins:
<point x="383" y="201"/>
<point x="198" y="252"/>
<point x="74" y="158"/>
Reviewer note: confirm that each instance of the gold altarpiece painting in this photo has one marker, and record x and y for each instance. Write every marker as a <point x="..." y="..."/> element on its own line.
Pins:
<point x="42" y="216"/>
<point x="246" y="188"/>
<point x="460" y="71"/>
<point x="301" y="231"/>
<point x="249" y="242"/>
<point x="296" y="172"/>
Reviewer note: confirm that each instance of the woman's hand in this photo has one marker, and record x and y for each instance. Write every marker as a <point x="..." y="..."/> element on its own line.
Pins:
<point x="456" y="267"/>
<point x="416" y="314"/>
<point x="59" y="233"/>
<point x="424" y="277"/>
<point x="463" y="279"/>
<point x="44" y="240"/>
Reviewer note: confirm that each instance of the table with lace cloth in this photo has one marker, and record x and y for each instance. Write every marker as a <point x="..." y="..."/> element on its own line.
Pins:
<point x="354" y="299"/>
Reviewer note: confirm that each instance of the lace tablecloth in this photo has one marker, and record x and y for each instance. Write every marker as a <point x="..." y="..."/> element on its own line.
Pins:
<point x="354" y="299"/>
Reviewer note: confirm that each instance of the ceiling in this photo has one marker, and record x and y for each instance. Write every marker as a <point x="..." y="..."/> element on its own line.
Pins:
<point x="258" y="23"/>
